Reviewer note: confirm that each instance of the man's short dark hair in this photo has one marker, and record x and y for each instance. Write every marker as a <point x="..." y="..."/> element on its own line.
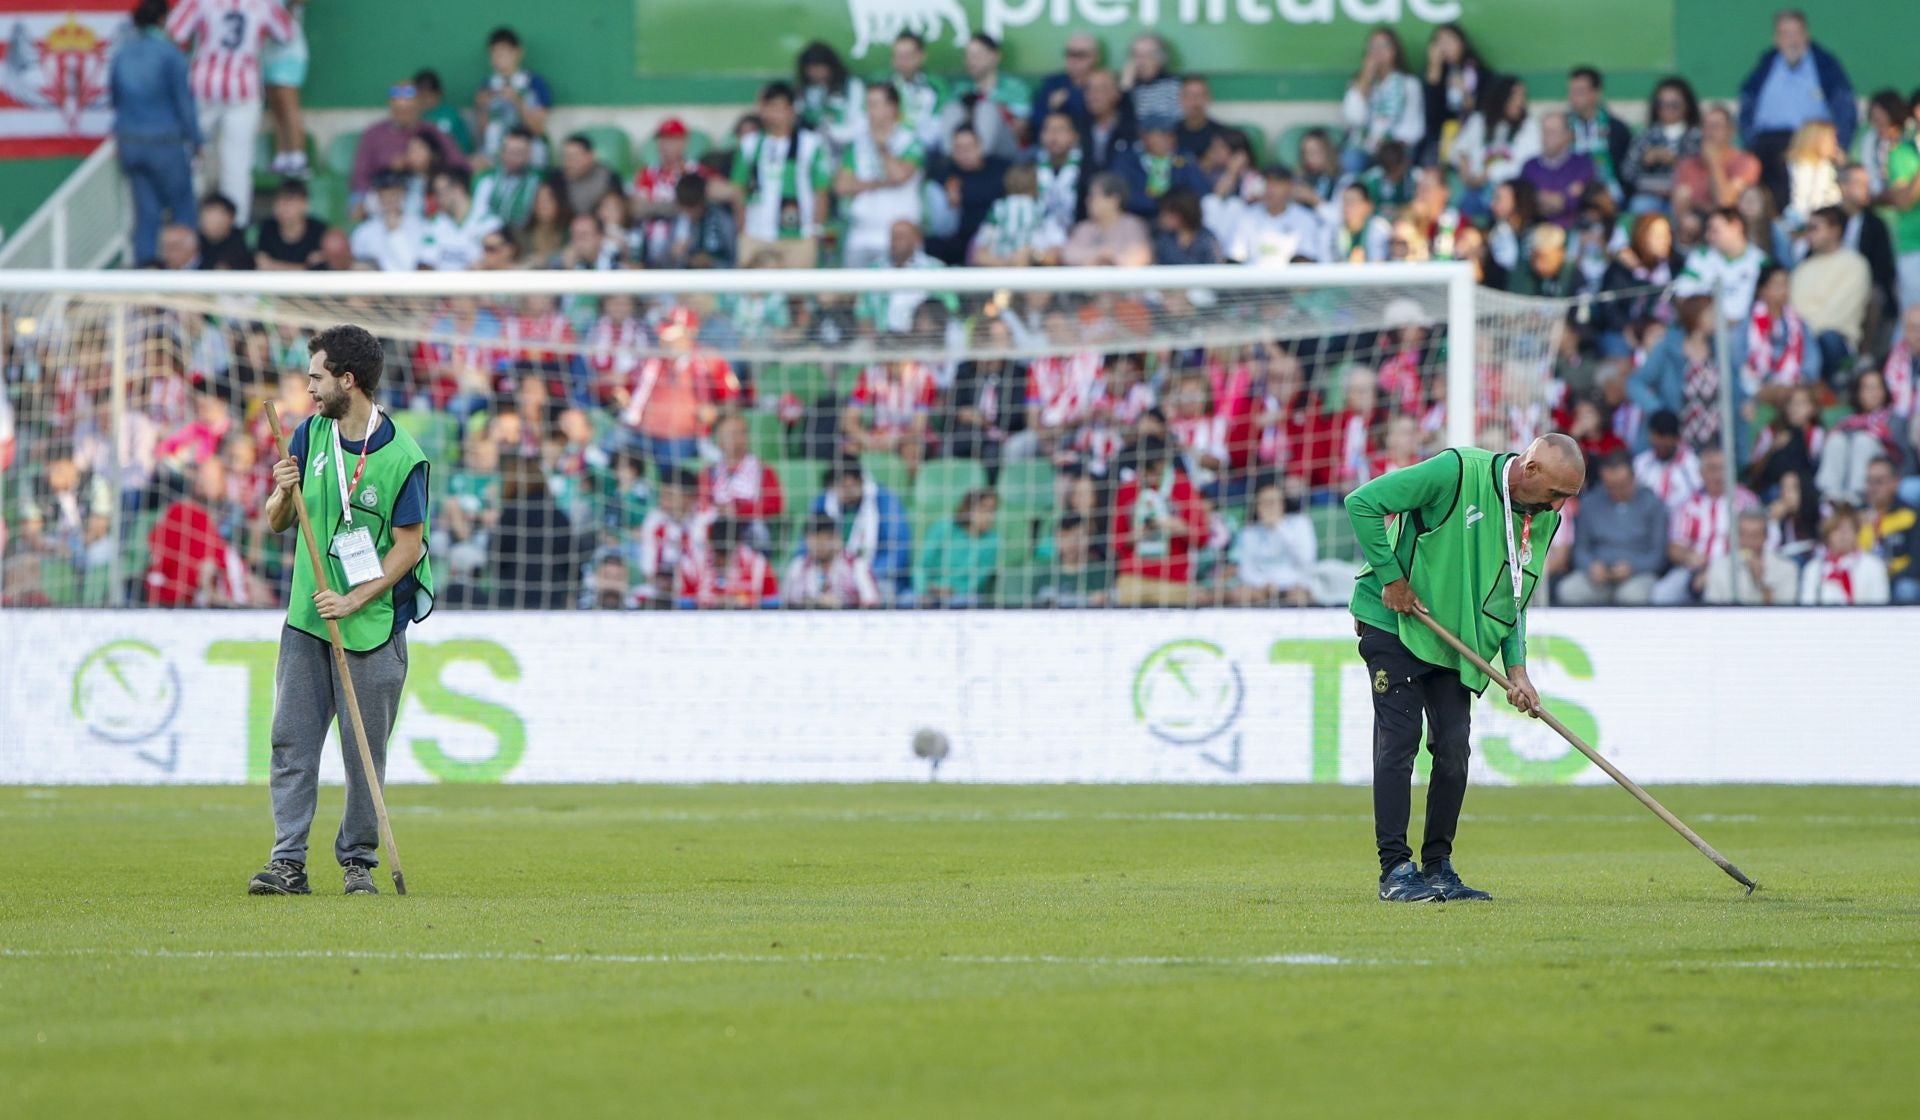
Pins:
<point x="220" y="201"/>
<point x="1832" y="215"/>
<point x="1618" y="457"/>
<point x="842" y="468"/>
<point x="1070" y="522"/>
<point x="691" y="190"/>
<point x="1728" y="214"/>
<point x="581" y="139"/>
<point x="520" y="132"/>
<point x="1278" y="171"/>
<point x="505" y="35"/>
<point x="886" y="90"/>
<point x="910" y="37"/>
<point x="680" y="477"/>
<point x="351" y="349"/>
<point x="290" y="188"/>
<point x="459" y="176"/>
<point x="1110" y="184"/>
<point x="1196" y="80"/>
<point x="986" y="41"/>
<point x="505" y="234"/>
<point x="777" y="91"/>
<point x="427" y="80"/>
<point x="1664" y="423"/>
<point x="1589" y="74"/>
<point x="821" y="524"/>
<point x="1881" y="461"/>
<point x="1065" y="116"/>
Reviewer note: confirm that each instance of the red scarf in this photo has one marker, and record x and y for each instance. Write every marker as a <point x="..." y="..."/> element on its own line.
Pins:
<point x="1776" y="349"/>
<point x="1902" y="367"/>
<point x="1838" y="575"/>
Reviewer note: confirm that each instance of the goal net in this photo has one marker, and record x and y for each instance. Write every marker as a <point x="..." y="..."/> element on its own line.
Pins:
<point x="888" y="438"/>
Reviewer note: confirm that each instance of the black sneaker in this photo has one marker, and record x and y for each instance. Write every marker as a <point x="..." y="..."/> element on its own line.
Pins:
<point x="281" y="876"/>
<point x="1405" y="884"/>
<point x="1441" y="877"/>
<point x="359" y="878"/>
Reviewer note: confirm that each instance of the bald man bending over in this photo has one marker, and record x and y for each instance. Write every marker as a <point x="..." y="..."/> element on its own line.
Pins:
<point x="1467" y="544"/>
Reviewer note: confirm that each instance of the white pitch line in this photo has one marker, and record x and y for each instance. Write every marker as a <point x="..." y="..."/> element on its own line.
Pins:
<point x="1276" y="960"/>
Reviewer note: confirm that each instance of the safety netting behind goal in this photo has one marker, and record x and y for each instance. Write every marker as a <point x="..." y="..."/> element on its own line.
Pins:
<point x="928" y="441"/>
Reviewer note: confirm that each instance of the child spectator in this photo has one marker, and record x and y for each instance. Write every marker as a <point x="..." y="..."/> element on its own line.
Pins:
<point x="223" y="243"/>
<point x="1075" y="577"/>
<point x="1018" y="232"/>
<point x="1842" y="574"/>
<point x="511" y="96"/>
<point x="1273" y="555"/>
<point x="668" y="539"/>
<point x="872" y="522"/>
<point x="729" y="572"/>
<point x="435" y="111"/>
<point x="824" y="576"/>
<point x="958" y="558"/>
<point x="1778" y="355"/>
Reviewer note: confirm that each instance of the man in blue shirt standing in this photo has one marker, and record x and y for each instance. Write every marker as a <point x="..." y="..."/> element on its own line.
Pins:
<point x="1792" y="84"/>
<point x="155" y="127"/>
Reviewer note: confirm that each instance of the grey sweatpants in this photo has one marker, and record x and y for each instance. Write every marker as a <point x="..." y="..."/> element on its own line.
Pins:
<point x="306" y="698"/>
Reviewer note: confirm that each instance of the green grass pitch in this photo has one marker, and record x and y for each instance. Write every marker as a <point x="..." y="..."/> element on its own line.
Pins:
<point x="933" y="951"/>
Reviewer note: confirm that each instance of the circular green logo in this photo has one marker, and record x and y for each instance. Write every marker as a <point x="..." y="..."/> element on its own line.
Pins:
<point x="126" y="691"/>
<point x="1187" y="692"/>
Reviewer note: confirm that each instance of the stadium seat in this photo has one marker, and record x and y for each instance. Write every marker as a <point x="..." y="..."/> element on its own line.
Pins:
<point x="340" y="153"/>
<point x="767" y="436"/>
<point x="1334" y="531"/>
<point x="807" y="382"/>
<point x="889" y="471"/>
<point x="328" y="195"/>
<point x="799" y="483"/>
<point x="1018" y="571"/>
<point x="943" y="482"/>
<point x="612" y="146"/>
<point x="1026" y="486"/>
<point x="60" y="580"/>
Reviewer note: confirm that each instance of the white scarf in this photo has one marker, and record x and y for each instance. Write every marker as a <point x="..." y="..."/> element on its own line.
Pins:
<point x="865" y="539"/>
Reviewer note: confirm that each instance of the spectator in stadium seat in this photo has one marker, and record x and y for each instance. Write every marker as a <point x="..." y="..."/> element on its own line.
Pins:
<point x="1728" y="261"/>
<point x="822" y="576"/>
<point x="880" y="177"/>
<point x="1182" y="237"/>
<point x="290" y="238"/>
<point x="890" y="411"/>
<point x="728" y="572"/>
<point x="892" y="312"/>
<point x="189" y="564"/>
<point x="1056" y="170"/>
<point x="1156" y="167"/>
<point x="511" y="95"/>
<point x="1361" y="235"/>
<point x="1901" y="374"/>
<point x="1110" y="236"/>
<point x="581" y="177"/>
<point x="472" y="508"/>
<point x="548" y="227"/>
<point x="25" y="582"/>
<point x="535" y="554"/>
<point x="155" y="126"/>
<point x="1700" y="534"/>
<point x="1159" y="525"/>
<point x="676" y="397"/>
<point x="1109" y="128"/>
<point x="383" y="144"/>
<point x="667" y="539"/>
<point x="926" y="101"/>
<point x="588" y="247"/>
<point x="1383" y="102"/>
<point x="1779" y="352"/>
<point x="336" y="252"/>
<point x="830" y="101"/>
<point x="1843" y="573"/>
<point x="955" y="563"/>
<point x="1902" y="198"/>
<point x="1273" y="556"/>
<point x="996" y="104"/>
<point x="1066" y="91"/>
<point x="1813" y="172"/>
<point x="1549" y="271"/>
<point x="506" y="189"/>
<point x="454" y="240"/>
<point x="1672" y="136"/>
<point x="974" y="182"/>
<point x="1453" y="82"/>
<point x="498" y="251"/>
<point x="1075" y="577"/>
<point x="1391" y="181"/>
<point x="1868" y="235"/>
<point x="1560" y="175"/>
<point x="1318" y="177"/>
<point x="609" y="588"/>
<point x="656" y="189"/>
<point x="1719" y="173"/>
<point x="739" y="484"/>
<point x="1276" y="230"/>
<point x="1495" y="142"/>
<point x="435" y="111"/>
<point x="1888" y="119"/>
<point x="390" y="240"/>
<point x="223" y="244"/>
<point x="702" y="233"/>
<point x="1197" y="127"/>
<point x="1794" y="82"/>
<point x="1620" y="541"/>
<point x="69" y="516"/>
<point x="1761" y="577"/>
<point x="1018" y="233"/>
<point x="1597" y="133"/>
<point x="1682" y="374"/>
<point x="871" y="521"/>
<point x="1890" y="529"/>
<point x="1668" y="467"/>
<point x="1152" y="89"/>
<point x="782" y="175"/>
<point x="984" y="406"/>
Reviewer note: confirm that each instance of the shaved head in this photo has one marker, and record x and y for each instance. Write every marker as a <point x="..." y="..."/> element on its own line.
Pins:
<point x="1550" y="471"/>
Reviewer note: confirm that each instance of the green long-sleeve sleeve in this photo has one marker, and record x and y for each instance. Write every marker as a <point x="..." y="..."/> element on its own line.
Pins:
<point x="1513" y="651"/>
<point x="1428" y="487"/>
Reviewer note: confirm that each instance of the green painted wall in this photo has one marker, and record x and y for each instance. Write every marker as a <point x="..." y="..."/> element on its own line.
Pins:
<point x="25" y="183"/>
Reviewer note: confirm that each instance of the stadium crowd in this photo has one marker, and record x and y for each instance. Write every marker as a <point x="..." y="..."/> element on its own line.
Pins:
<point x="608" y="453"/>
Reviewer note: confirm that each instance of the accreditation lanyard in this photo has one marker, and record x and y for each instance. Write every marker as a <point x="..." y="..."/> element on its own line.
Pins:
<point x="359" y="468"/>
<point x="1517" y="557"/>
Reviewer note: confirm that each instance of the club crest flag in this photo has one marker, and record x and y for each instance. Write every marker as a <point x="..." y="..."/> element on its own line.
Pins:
<point x="53" y="74"/>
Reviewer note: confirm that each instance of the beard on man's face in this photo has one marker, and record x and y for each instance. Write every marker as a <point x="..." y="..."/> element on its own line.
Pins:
<point x="333" y="405"/>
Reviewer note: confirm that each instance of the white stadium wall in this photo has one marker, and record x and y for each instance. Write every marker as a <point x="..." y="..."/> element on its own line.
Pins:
<point x="1165" y="696"/>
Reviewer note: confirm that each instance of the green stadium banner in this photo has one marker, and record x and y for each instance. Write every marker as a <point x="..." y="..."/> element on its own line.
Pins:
<point x="1277" y="38"/>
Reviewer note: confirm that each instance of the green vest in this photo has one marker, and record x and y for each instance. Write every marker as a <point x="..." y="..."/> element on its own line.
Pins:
<point x="387" y="469"/>
<point x="1455" y="556"/>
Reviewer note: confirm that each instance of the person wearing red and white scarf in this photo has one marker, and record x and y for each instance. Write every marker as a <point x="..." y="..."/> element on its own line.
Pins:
<point x="1842" y="574"/>
<point x="1902" y="371"/>
<point x="1702" y="532"/>
<point x="541" y="337"/>
<point x="726" y="571"/>
<point x="1061" y="389"/>
<point x="1667" y="467"/>
<point x="824" y="575"/>
<point x="616" y="347"/>
<point x="1776" y="341"/>
<point x="668" y="540"/>
<point x="1123" y="398"/>
<point x="739" y="485"/>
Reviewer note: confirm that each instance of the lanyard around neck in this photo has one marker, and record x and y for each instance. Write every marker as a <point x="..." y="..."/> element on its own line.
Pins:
<point x="340" y="466"/>
<point x="1517" y="556"/>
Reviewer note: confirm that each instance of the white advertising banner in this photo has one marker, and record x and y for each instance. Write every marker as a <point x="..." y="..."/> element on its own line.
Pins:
<point x="1101" y="696"/>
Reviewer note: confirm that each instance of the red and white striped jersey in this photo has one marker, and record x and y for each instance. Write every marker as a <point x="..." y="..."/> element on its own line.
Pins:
<point x="226" y="37"/>
<point x="1064" y="387"/>
<point x="668" y="548"/>
<point x="1673" y="481"/>
<point x="897" y="393"/>
<point x="1705" y="523"/>
<point x="847" y="581"/>
<point x="744" y="579"/>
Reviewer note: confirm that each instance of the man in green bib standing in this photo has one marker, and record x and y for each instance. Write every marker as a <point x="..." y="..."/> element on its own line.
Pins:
<point x="1464" y="537"/>
<point x="365" y="484"/>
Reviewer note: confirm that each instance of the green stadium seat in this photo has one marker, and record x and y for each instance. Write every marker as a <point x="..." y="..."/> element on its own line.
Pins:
<point x="340" y="152"/>
<point x="60" y="580"/>
<point x="1334" y="531"/>
<point x="943" y="482"/>
<point x="799" y="483"/>
<point x="808" y="382"/>
<point x="1019" y="571"/>
<point x="612" y="146"/>
<point x="1026" y="486"/>
<point x="767" y="436"/>
<point x="890" y="471"/>
<point x="328" y="195"/>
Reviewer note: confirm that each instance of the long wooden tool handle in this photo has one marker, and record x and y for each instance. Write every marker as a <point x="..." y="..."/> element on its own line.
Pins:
<point x="340" y="665"/>
<point x="1580" y="745"/>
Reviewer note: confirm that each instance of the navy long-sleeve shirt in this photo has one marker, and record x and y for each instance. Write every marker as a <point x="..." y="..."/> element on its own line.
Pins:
<point x="147" y="84"/>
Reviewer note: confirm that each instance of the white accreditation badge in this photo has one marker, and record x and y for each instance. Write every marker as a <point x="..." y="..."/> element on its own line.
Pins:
<point x="354" y="545"/>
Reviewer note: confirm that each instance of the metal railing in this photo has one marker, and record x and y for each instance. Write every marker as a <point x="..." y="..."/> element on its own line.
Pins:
<point x="82" y="224"/>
